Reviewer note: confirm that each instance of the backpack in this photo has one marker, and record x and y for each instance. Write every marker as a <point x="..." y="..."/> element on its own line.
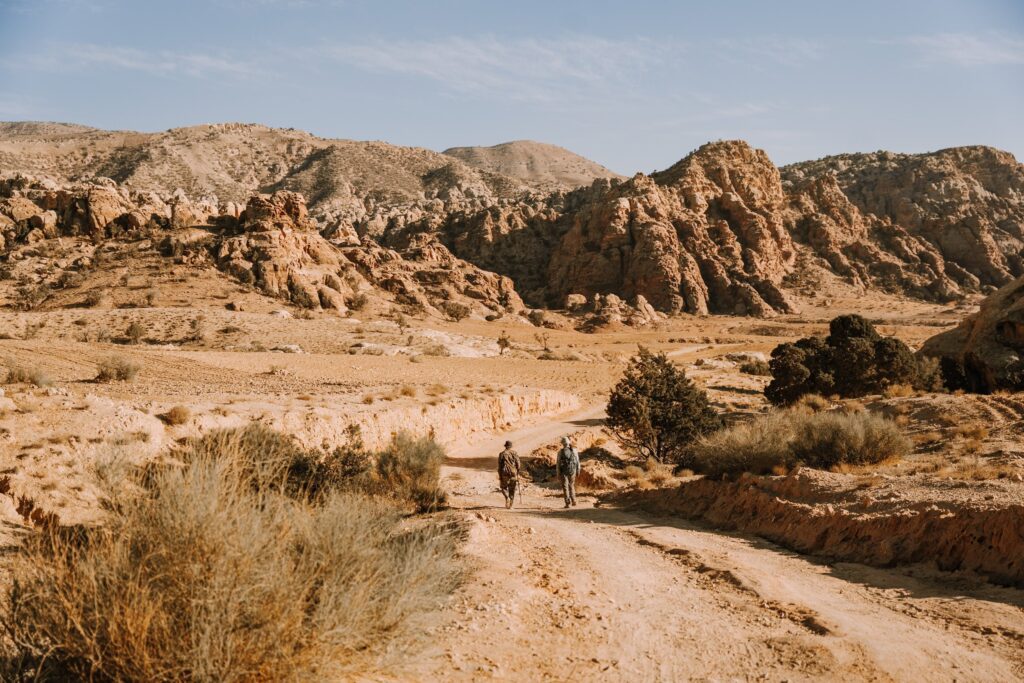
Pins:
<point x="568" y="460"/>
<point x="508" y="466"/>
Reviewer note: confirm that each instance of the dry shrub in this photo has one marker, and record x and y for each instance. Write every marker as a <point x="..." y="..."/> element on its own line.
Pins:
<point x="438" y="350"/>
<point x="898" y="391"/>
<point x="407" y="390"/>
<point x="19" y="374"/>
<point x="852" y="438"/>
<point x="812" y="403"/>
<point x="213" y="570"/>
<point x="778" y="441"/>
<point x="178" y="415"/>
<point x="756" y="367"/>
<point x="927" y="438"/>
<point x="135" y="332"/>
<point x="977" y="468"/>
<point x="437" y="390"/>
<point x="972" y="431"/>
<point x="634" y="473"/>
<point x="756" y="447"/>
<point x="117" y="369"/>
<point x="409" y="469"/>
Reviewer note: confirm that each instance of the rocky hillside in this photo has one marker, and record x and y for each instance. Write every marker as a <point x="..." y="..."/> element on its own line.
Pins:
<point x="534" y="163"/>
<point x="721" y="231"/>
<point x="934" y="225"/>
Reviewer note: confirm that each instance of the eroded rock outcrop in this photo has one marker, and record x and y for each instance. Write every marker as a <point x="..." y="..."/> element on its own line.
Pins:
<point x="277" y="248"/>
<point x="933" y="225"/>
<point x="985" y="352"/>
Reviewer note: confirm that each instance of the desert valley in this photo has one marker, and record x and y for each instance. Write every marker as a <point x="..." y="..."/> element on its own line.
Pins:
<point x="161" y="291"/>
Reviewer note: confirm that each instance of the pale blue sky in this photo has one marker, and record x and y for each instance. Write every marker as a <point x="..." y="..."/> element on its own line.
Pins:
<point x="634" y="85"/>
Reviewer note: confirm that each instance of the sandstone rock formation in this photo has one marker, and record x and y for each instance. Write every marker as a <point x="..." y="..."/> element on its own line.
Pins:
<point x="722" y="231"/>
<point x="934" y="225"/>
<point x="706" y="235"/>
<point x="985" y="352"/>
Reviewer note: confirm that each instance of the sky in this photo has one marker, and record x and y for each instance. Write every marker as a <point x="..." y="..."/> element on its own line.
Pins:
<point x="634" y="85"/>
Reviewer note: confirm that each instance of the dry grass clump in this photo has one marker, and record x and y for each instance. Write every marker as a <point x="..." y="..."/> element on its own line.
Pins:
<point x="135" y="332"/>
<point x="435" y="390"/>
<point x="215" y="569"/>
<point x="758" y="447"/>
<point x="972" y="431"/>
<point x="927" y="438"/>
<point x="862" y="438"/>
<point x="117" y="369"/>
<point x="977" y="468"/>
<point x="780" y="440"/>
<point x="178" y="415"/>
<point x="756" y="367"/>
<point x="812" y="403"/>
<point x="898" y="391"/>
<point x="20" y="374"/>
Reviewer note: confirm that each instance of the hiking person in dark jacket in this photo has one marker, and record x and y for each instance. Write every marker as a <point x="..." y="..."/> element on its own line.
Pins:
<point x="508" y="473"/>
<point x="568" y="466"/>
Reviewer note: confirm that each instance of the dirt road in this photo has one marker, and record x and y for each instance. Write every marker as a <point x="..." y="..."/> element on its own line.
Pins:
<point x="603" y="594"/>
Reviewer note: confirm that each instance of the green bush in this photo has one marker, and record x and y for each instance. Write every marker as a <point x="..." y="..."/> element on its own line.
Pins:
<point x="655" y="410"/>
<point x="211" y="569"/>
<point x="854" y="360"/>
<point x="784" y="439"/>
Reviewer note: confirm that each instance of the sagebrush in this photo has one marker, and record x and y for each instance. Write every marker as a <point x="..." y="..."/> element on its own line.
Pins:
<point x="222" y="566"/>
<point x="783" y="439"/>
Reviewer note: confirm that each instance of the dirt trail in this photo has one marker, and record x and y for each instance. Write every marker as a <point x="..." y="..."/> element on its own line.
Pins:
<point x="604" y="594"/>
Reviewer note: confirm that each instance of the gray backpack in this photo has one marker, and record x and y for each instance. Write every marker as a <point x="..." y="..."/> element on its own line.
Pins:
<point x="568" y="460"/>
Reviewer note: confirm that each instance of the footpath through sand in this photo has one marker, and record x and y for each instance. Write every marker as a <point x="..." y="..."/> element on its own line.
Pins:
<point x="596" y="593"/>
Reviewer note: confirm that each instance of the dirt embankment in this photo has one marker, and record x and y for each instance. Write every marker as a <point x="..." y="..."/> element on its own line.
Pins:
<point x="840" y="517"/>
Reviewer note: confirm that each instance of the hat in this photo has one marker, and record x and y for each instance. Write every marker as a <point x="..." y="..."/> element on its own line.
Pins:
<point x="508" y="444"/>
<point x="565" y="441"/>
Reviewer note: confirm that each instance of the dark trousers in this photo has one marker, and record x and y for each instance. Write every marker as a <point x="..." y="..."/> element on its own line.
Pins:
<point x="508" y="489"/>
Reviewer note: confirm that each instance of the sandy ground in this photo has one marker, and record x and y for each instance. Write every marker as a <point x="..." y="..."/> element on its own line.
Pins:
<point x="593" y="593"/>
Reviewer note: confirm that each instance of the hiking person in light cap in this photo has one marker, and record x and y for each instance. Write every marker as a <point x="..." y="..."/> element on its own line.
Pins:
<point x="568" y="466"/>
<point x="508" y="473"/>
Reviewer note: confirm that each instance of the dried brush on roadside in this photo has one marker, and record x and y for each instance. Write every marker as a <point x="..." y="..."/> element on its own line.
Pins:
<point x="221" y="567"/>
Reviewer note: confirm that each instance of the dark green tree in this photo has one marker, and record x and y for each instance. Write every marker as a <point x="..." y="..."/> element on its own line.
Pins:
<point x="853" y="360"/>
<point x="655" y="410"/>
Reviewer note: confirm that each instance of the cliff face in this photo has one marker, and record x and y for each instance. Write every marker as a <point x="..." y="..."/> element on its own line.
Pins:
<point x="718" y="232"/>
<point x="935" y="225"/>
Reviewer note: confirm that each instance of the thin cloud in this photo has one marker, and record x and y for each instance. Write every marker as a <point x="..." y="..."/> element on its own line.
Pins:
<point x="965" y="49"/>
<point x="158" y="63"/>
<point x="782" y="51"/>
<point x="530" y="69"/>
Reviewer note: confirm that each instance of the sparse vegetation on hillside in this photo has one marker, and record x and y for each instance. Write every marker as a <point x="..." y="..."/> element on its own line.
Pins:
<point x="782" y="439"/>
<point x="224" y="567"/>
<point x="655" y="410"/>
<point x="854" y="360"/>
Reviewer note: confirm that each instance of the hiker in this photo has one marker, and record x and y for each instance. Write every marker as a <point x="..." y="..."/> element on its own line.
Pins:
<point x="508" y="473"/>
<point x="568" y="466"/>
